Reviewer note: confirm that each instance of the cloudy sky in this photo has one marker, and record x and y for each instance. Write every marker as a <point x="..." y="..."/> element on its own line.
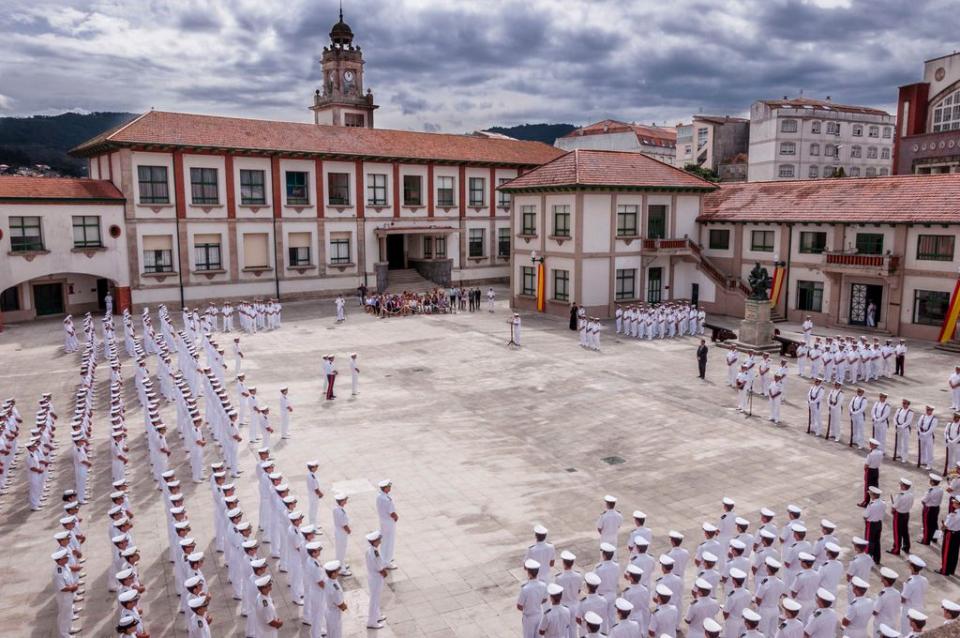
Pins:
<point x="458" y="65"/>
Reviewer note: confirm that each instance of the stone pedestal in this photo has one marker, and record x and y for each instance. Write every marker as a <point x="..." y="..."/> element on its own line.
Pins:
<point x="756" y="329"/>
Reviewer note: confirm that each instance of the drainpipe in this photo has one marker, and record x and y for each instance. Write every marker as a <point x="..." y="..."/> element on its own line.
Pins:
<point x="183" y="304"/>
<point x="276" y="257"/>
<point x="786" y="274"/>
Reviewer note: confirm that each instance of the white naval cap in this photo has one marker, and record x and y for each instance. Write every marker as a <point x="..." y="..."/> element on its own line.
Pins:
<point x="906" y="481"/>
<point x="806" y="558"/>
<point x="666" y="560"/>
<point x="60" y="554"/>
<point x="741" y="521"/>
<point x="187" y="542"/>
<point x="191" y="582"/>
<point x="641" y="541"/>
<point x="127" y="596"/>
<point x="313" y="463"/>
<point x="591" y="578"/>
<point x="634" y="569"/>
<point x="765" y="533"/>
<point x="119" y="538"/>
<point x="127" y="621"/>
<point x="708" y="557"/>
<point x="873" y="442"/>
<point x="916" y="561"/>
<point x="539" y="529"/>
<point x="61" y="536"/>
<point x="197" y="603"/>
<point x="235" y="512"/>
<point x="859" y="583"/>
<point x="916" y="614"/>
<point x="797" y="527"/>
<point x="622" y="604"/>
<point x="610" y="499"/>
<point x="738" y="574"/>
<point x="736" y="543"/>
<point x="712" y="626"/>
<point x="174" y="511"/>
<point x="181" y="525"/>
<point x="825" y="595"/>
<point x="702" y="584"/>
<point x="295" y="515"/>
<point x="308" y="529"/>
<point x="331" y="565"/>
<point x="888" y="632"/>
<point x="554" y="589"/>
<point x="384" y="483"/>
<point x="827" y="524"/>
<point x="949" y="605"/>
<point x="263" y="581"/>
<point x="728" y="501"/>
<point x="195" y="557"/>
<point x="791" y="605"/>
<point x="856" y="540"/>
<point x="592" y="618"/>
<point x="67" y="520"/>
<point x="531" y="564"/>
<point x="639" y="514"/>
<point x="607" y="548"/>
<point x="772" y="563"/>
<point x="832" y="547"/>
<point x="375" y="535"/>
<point x="339" y="496"/>
<point x="567" y="555"/>
<point x="313" y="545"/>
<point x="889" y="574"/>
<point x="675" y="535"/>
<point x="794" y="509"/>
<point x="936" y="478"/>
<point x="710" y="528"/>
<point x="273" y="476"/>
<point x="750" y="616"/>
<point x="663" y="590"/>
<point x="257" y="563"/>
<point x="250" y="543"/>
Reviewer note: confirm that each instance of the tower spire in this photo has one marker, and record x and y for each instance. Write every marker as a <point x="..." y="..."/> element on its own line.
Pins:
<point x="341" y="10"/>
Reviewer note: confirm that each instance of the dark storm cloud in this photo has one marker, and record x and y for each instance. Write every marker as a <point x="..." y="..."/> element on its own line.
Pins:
<point x="462" y="65"/>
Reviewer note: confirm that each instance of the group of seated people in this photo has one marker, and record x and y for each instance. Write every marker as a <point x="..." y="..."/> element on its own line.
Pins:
<point x="407" y="303"/>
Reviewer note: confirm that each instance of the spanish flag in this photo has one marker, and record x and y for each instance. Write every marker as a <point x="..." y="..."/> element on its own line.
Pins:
<point x="953" y="313"/>
<point x="541" y="287"/>
<point x="779" y="274"/>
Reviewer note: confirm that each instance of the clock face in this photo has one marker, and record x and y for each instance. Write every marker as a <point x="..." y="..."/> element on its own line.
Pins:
<point x="939" y="73"/>
<point x="348" y="76"/>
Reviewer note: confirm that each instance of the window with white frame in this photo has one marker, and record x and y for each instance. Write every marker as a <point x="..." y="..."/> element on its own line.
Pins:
<point x="814" y="149"/>
<point x="252" y="192"/>
<point x="830" y="150"/>
<point x="528" y="220"/>
<point x="854" y="171"/>
<point x="857" y="130"/>
<point x="786" y="170"/>
<point x="298" y="249"/>
<point x="298" y="192"/>
<point x="477" y="186"/>
<point x="339" y="248"/>
<point x="203" y="186"/>
<point x="833" y="128"/>
<point x="871" y="152"/>
<point x="828" y="171"/>
<point x="86" y="231"/>
<point x="856" y="151"/>
<point x="871" y="171"/>
<point x="154" y="188"/>
<point x="157" y="253"/>
<point x="814" y="171"/>
<point x="884" y="171"/>
<point x="874" y="131"/>
<point x="946" y="113"/>
<point x="788" y="126"/>
<point x="503" y="199"/>
<point x="887" y="132"/>
<point x="788" y="148"/>
<point x="376" y="189"/>
<point x="475" y="242"/>
<point x="445" y="192"/>
<point x="815" y="127"/>
<point x="885" y="153"/>
<point x="206" y="252"/>
<point x="561" y="220"/>
<point x="528" y="279"/>
<point x="561" y="285"/>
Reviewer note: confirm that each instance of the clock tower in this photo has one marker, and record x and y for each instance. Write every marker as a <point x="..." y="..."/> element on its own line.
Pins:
<point x="341" y="100"/>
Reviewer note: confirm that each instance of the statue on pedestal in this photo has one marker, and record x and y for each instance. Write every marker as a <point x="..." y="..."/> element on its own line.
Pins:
<point x="760" y="283"/>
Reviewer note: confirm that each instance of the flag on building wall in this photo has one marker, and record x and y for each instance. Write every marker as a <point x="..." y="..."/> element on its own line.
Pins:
<point x="541" y="287"/>
<point x="953" y="313"/>
<point x="779" y="273"/>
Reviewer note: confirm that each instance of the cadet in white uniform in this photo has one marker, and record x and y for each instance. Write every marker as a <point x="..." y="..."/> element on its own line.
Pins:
<point x="66" y="587"/>
<point x="354" y="374"/>
<point x="387" y="514"/>
<point x="608" y="525"/>
<point x="542" y="552"/>
<point x="823" y="622"/>
<point x="333" y="596"/>
<point x="775" y="397"/>
<point x="856" y="409"/>
<point x="926" y="428"/>
<point x="376" y="574"/>
<point x="914" y="591"/>
<point x="859" y="610"/>
<point x="954" y="383"/>
<point x="533" y="593"/>
<point x="285" y="409"/>
<point x="268" y="622"/>
<point x="314" y="493"/>
<point x="557" y="620"/>
<point x="903" y="422"/>
<point x="814" y="399"/>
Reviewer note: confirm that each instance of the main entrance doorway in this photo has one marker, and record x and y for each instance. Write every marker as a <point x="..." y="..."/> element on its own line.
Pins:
<point x="396" y="253"/>
<point x="865" y="304"/>
<point x="48" y="299"/>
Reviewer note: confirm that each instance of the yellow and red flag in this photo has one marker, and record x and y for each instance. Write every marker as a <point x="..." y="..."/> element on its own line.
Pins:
<point x="953" y="313"/>
<point x="779" y="273"/>
<point x="541" y="287"/>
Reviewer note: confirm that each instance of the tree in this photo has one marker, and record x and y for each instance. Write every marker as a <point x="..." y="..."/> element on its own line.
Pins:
<point x="701" y="172"/>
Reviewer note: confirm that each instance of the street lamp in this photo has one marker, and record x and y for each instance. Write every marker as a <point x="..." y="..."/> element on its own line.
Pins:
<point x="534" y="259"/>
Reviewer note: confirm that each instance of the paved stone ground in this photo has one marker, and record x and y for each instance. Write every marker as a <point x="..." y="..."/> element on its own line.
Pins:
<point x="481" y="442"/>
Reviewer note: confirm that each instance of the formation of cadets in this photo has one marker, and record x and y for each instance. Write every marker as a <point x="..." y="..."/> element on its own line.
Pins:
<point x="774" y="580"/>
<point x="660" y="321"/>
<point x="183" y="376"/>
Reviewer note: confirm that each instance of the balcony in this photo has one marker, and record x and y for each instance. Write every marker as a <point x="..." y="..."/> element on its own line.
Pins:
<point x="668" y="247"/>
<point x="863" y="264"/>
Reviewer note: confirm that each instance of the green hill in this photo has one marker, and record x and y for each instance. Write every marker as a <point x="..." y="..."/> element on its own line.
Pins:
<point x="45" y="139"/>
<point x="545" y="133"/>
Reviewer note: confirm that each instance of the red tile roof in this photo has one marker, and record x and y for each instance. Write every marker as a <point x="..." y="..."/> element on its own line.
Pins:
<point x="66" y="188"/>
<point x="615" y="169"/>
<point x="895" y="199"/>
<point x="822" y="105"/>
<point x="160" y="129"/>
<point x="649" y="135"/>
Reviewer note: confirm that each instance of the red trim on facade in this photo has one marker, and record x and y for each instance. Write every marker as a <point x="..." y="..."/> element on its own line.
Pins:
<point x="321" y="202"/>
<point x="914" y="124"/>
<point x="396" y="189"/>
<point x="179" y="188"/>
<point x="430" y="190"/>
<point x="463" y="190"/>
<point x="493" y="192"/>
<point x="358" y="174"/>
<point x="231" y="195"/>
<point x="122" y="299"/>
<point x="275" y="179"/>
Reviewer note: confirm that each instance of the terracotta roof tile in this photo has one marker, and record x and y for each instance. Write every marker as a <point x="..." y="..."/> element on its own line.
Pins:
<point x="23" y="187"/>
<point x="206" y="131"/>
<point x="895" y="199"/>
<point x="650" y="135"/>
<point x="582" y="167"/>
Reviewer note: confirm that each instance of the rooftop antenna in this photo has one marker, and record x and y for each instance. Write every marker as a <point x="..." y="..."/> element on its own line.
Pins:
<point x="341" y="10"/>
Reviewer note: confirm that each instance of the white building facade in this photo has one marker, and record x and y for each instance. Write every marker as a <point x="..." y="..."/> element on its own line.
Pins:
<point x="802" y="138"/>
<point x="660" y="143"/>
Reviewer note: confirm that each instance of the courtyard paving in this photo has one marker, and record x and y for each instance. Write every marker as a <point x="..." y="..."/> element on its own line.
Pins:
<point x="481" y="442"/>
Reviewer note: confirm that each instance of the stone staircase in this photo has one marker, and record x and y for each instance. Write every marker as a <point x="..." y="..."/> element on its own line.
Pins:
<point x="408" y="279"/>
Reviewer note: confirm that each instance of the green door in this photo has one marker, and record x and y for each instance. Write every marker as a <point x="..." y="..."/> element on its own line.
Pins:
<point x="48" y="299"/>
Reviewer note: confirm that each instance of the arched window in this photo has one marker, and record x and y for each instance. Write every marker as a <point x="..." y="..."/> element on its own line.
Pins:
<point x="946" y="113"/>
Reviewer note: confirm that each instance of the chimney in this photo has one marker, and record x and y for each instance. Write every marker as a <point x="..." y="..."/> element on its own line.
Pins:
<point x="828" y="98"/>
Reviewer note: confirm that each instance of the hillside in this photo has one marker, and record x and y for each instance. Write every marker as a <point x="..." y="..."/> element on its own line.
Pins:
<point x="45" y="139"/>
<point x="545" y="133"/>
